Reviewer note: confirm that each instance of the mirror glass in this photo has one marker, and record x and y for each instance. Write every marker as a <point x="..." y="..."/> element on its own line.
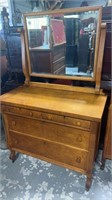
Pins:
<point x="62" y="44"/>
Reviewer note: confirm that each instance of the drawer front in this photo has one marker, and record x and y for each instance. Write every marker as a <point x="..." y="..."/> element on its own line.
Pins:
<point x="77" y="122"/>
<point x="21" y="111"/>
<point x="58" y="64"/>
<point x="58" y="52"/>
<point x="60" y="71"/>
<point x="68" y="121"/>
<point x="50" y="131"/>
<point x="48" y="149"/>
<point x="52" y="117"/>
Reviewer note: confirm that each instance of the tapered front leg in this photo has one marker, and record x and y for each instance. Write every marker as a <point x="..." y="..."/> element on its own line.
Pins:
<point x="88" y="182"/>
<point x="12" y="155"/>
<point x="102" y="163"/>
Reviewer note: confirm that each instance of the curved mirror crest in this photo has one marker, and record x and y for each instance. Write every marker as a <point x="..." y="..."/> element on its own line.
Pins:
<point x="62" y="44"/>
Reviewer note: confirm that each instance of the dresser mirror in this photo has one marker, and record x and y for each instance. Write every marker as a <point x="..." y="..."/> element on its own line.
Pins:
<point x="63" y="43"/>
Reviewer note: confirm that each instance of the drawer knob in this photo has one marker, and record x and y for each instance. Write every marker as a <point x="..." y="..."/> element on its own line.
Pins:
<point x="49" y="117"/>
<point x="31" y="114"/>
<point x="45" y="142"/>
<point x="13" y="123"/>
<point x="78" y="123"/>
<point x="79" y="139"/>
<point x="78" y="159"/>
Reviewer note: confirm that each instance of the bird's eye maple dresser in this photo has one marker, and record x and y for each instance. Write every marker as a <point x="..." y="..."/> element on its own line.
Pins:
<point x="53" y="122"/>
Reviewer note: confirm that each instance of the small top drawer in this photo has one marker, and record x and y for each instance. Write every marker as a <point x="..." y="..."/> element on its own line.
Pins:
<point x="53" y="117"/>
<point x="21" y="111"/>
<point x="80" y="123"/>
<point x="77" y="122"/>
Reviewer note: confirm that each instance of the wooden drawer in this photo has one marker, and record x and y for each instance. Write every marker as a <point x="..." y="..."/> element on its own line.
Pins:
<point x="60" y="71"/>
<point x="68" y="121"/>
<point x="77" y="122"/>
<point x="21" y="111"/>
<point x="58" y="64"/>
<point x="48" y="149"/>
<point x="58" y="52"/>
<point x="50" y="131"/>
<point x="53" y="117"/>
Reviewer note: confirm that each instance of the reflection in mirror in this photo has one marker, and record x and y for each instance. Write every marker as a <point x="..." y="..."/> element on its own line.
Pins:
<point x="62" y="44"/>
<point x="38" y="32"/>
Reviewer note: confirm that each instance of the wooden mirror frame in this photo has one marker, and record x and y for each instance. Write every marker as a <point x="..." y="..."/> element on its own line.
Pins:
<point x="63" y="11"/>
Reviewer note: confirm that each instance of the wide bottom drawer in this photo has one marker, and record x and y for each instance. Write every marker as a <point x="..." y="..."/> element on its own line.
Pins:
<point x="51" y="150"/>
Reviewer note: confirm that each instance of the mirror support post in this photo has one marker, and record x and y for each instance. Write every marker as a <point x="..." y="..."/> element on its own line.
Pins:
<point x="100" y="57"/>
<point x="24" y="59"/>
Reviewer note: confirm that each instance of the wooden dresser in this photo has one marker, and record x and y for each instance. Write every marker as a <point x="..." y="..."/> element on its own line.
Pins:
<point x="54" y="125"/>
<point x="47" y="44"/>
<point x="57" y="123"/>
<point x="49" y="60"/>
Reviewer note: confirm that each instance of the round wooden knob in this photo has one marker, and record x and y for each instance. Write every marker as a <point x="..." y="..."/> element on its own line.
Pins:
<point x="79" y="139"/>
<point x="78" y="123"/>
<point x="13" y="123"/>
<point x="49" y="117"/>
<point x="78" y="159"/>
<point x="31" y="114"/>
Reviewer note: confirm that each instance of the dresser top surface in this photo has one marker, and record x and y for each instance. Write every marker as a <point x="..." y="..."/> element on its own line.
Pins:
<point x="82" y="105"/>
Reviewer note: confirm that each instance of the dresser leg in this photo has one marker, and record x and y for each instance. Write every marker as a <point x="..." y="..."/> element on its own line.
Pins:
<point x="12" y="155"/>
<point x="88" y="182"/>
<point x="102" y="163"/>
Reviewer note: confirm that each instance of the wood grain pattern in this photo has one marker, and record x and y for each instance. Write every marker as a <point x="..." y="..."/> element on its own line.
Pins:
<point x="84" y="106"/>
<point x="100" y="58"/>
<point x="56" y="125"/>
<point x="24" y="60"/>
<point x="50" y="131"/>
<point x="49" y="149"/>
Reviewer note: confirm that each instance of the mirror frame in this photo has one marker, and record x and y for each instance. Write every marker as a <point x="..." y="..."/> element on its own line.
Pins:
<point x="63" y="11"/>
